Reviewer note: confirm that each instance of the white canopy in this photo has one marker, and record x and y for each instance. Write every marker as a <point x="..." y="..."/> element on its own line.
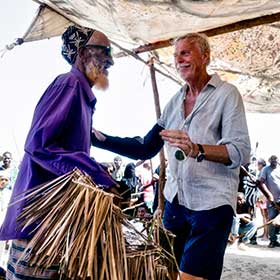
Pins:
<point x="246" y="53"/>
<point x="145" y="21"/>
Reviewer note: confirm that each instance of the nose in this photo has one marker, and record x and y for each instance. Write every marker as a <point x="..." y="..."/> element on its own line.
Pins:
<point x="110" y="61"/>
<point x="178" y="59"/>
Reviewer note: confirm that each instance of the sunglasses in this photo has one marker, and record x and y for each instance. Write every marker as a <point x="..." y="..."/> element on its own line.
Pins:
<point x="106" y="49"/>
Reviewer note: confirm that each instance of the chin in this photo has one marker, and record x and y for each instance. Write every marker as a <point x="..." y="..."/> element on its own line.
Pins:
<point x="101" y="82"/>
<point x="97" y="78"/>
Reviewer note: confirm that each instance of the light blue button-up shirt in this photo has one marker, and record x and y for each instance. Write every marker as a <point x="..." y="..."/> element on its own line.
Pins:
<point x="218" y="117"/>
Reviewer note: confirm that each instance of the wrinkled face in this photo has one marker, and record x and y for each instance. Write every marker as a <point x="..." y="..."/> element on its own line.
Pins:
<point x="97" y="58"/>
<point x="190" y="62"/>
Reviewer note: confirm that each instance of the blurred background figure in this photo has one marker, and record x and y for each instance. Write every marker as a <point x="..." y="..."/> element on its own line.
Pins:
<point x="5" y="194"/>
<point x="145" y="174"/>
<point x="119" y="167"/>
<point x="130" y="178"/>
<point x="10" y="169"/>
<point x="250" y="186"/>
<point x="270" y="180"/>
<point x="262" y="201"/>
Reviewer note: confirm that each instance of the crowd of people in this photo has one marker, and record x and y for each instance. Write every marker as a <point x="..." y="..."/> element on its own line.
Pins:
<point x="141" y="180"/>
<point x="259" y="194"/>
<point x="257" y="197"/>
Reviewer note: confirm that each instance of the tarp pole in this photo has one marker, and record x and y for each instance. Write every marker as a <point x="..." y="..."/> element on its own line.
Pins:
<point x="243" y="24"/>
<point x="162" y="172"/>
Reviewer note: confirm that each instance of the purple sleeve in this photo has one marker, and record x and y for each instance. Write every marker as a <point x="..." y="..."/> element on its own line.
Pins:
<point x="58" y="140"/>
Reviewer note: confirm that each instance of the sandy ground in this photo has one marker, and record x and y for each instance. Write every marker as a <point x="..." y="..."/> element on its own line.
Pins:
<point x="257" y="263"/>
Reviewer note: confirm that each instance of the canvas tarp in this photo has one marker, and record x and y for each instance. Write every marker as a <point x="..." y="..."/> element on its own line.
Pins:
<point x="146" y="21"/>
<point x="247" y="56"/>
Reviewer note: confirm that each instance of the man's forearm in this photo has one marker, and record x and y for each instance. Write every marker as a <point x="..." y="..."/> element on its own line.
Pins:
<point x="216" y="153"/>
<point x="135" y="147"/>
<point x="263" y="188"/>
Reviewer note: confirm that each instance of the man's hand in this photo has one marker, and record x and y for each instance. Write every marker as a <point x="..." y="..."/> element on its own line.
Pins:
<point x="178" y="138"/>
<point x="98" y="135"/>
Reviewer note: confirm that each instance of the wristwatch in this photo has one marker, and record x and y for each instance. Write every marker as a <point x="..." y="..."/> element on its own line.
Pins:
<point x="201" y="154"/>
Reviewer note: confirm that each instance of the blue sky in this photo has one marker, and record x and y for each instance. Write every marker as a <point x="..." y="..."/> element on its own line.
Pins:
<point x="126" y="109"/>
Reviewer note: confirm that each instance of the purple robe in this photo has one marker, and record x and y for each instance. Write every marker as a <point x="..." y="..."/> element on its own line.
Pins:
<point x="58" y="141"/>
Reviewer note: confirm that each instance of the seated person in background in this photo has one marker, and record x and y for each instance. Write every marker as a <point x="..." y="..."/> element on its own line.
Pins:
<point x="143" y="213"/>
<point x="243" y="227"/>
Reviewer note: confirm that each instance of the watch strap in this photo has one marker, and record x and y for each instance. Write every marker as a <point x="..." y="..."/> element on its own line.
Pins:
<point x="201" y="154"/>
<point x="200" y="148"/>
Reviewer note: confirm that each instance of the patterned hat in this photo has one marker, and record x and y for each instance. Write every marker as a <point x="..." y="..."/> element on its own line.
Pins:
<point x="74" y="38"/>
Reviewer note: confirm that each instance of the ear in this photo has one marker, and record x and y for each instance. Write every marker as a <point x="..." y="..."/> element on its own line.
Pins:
<point x="206" y="58"/>
<point x="82" y="53"/>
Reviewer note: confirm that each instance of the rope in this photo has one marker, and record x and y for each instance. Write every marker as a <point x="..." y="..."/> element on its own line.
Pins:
<point x="9" y="47"/>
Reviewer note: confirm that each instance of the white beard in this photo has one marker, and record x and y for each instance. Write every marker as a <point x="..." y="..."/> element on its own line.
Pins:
<point x="96" y="76"/>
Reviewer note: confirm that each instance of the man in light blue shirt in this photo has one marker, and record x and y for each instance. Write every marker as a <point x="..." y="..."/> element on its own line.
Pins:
<point x="205" y="134"/>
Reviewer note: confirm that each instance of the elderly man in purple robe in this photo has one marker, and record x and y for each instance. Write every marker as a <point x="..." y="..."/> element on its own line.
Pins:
<point x="60" y="135"/>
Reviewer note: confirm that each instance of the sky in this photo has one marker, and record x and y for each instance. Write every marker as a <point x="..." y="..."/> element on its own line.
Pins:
<point x="126" y="109"/>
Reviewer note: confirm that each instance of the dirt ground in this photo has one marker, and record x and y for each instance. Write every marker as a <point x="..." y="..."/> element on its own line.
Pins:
<point x="257" y="263"/>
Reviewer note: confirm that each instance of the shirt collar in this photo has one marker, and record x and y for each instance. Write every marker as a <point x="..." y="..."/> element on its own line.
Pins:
<point x="85" y="85"/>
<point x="214" y="81"/>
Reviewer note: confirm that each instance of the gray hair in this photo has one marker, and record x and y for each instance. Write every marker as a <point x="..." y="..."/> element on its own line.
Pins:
<point x="199" y="38"/>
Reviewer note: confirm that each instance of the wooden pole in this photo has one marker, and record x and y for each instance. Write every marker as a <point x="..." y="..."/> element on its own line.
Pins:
<point x="126" y="52"/>
<point x="243" y="24"/>
<point x="161" y="182"/>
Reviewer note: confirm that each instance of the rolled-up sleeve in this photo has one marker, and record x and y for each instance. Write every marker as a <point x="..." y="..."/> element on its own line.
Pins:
<point x="234" y="130"/>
